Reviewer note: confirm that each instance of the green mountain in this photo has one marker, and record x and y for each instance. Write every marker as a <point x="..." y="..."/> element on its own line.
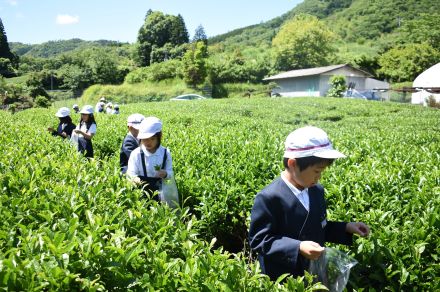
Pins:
<point x="355" y="21"/>
<point x="53" y="48"/>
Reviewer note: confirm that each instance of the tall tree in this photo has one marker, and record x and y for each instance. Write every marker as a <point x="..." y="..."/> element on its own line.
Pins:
<point x="200" y="35"/>
<point x="8" y="60"/>
<point x="194" y="64"/>
<point x="5" y="52"/>
<point x="158" y="30"/>
<point x="179" y="33"/>
<point x="302" y="42"/>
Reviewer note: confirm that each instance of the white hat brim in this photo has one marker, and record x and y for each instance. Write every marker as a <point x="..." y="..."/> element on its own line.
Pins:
<point x="324" y="153"/>
<point x="145" y="135"/>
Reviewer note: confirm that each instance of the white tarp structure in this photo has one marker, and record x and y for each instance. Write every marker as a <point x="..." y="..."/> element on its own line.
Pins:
<point x="428" y="78"/>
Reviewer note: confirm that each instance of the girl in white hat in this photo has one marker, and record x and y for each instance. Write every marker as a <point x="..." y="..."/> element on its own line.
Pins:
<point x="150" y="163"/>
<point x="65" y="126"/>
<point x="85" y="131"/>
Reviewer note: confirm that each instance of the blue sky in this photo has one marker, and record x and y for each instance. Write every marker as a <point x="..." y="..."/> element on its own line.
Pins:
<point x="37" y="21"/>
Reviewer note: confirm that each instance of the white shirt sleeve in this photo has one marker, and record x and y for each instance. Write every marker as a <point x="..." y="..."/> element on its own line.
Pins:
<point x="134" y="167"/>
<point x="92" y="129"/>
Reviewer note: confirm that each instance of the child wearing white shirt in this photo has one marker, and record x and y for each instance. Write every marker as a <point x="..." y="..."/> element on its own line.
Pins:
<point x="150" y="163"/>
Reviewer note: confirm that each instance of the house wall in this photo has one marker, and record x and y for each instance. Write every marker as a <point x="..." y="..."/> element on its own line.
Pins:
<point x="300" y="86"/>
<point x="324" y="85"/>
<point x="317" y="85"/>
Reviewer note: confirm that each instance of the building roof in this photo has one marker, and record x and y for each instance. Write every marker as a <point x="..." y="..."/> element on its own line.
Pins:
<point x="311" y="71"/>
<point x="429" y="77"/>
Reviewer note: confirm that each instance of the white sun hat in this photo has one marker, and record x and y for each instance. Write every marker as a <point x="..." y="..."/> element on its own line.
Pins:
<point x="149" y="127"/>
<point x="310" y="141"/>
<point x="63" y="112"/>
<point x="87" y="109"/>
<point x="135" y="120"/>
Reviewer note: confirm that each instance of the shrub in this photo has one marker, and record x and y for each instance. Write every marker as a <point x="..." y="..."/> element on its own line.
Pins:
<point x="42" y="101"/>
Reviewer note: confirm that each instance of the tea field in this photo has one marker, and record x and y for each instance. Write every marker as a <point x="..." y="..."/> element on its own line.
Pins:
<point x="73" y="224"/>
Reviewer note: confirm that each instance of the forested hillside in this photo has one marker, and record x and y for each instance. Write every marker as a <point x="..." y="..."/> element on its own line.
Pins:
<point x="353" y="20"/>
<point x="54" y="48"/>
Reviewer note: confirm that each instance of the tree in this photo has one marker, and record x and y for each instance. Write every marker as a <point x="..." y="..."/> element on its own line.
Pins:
<point x="405" y="63"/>
<point x="424" y="28"/>
<point x="6" y="68"/>
<point x="337" y="86"/>
<point x="302" y="42"/>
<point x="158" y="30"/>
<point x="200" y="35"/>
<point x="194" y="64"/>
<point x="179" y="33"/>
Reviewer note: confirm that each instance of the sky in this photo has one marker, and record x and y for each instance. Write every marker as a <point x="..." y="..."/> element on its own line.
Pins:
<point x="38" y="21"/>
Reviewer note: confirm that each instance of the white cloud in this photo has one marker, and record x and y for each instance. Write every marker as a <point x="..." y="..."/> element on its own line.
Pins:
<point x="66" y="19"/>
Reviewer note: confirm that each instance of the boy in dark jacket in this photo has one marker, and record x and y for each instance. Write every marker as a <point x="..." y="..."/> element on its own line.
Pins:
<point x="130" y="141"/>
<point x="289" y="225"/>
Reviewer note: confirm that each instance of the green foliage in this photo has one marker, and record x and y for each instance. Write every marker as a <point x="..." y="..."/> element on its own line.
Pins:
<point x="238" y="68"/>
<point x="303" y="42"/>
<point x="407" y="62"/>
<point x="423" y="29"/>
<point x="194" y="64"/>
<point x="155" y="72"/>
<point x="200" y="35"/>
<point x="138" y="92"/>
<point x="158" y="30"/>
<point x="42" y="101"/>
<point x="35" y="87"/>
<point x="337" y="86"/>
<point x="55" y="48"/>
<point x="8" y="60"/>
<point x="74" y="224"/>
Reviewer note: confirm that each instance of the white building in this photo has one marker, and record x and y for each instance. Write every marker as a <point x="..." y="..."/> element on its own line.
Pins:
<point x="427" y="83"/>
<point x="315" y="81"/>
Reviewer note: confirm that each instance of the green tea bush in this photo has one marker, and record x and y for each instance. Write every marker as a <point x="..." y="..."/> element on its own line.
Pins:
<point x="71" y="224"/>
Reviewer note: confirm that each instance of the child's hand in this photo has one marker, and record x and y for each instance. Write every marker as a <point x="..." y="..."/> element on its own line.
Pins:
<point x="50" y="129"/>
<point x="310" y="250"/>
<point x="161" y="173"/>
<point x="359" y="228"/>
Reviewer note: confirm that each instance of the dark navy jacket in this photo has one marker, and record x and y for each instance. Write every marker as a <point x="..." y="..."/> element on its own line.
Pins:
<point x="279" y="222"/>
<point x="68" y="129"/>
<point x="128" y="145"/>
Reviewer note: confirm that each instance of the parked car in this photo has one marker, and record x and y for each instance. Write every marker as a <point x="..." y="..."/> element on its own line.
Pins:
<point x="190" y="96"/>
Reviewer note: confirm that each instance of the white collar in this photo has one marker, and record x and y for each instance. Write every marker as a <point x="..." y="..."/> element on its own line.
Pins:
<point x="148" y="153"/>
<point x="294" y="189"/>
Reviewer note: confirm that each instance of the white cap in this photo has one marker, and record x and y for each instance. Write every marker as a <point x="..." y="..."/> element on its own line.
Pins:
<point x="87" y="109"/>
<point x="75" y="106"/>
<point x="135" y="120"/>
<point x="116" y="105"/>
<point x="102" y="99"/>
<point x="63" y="112"/>
<point x="310" y="141"/>
<point x="149" y="127"/>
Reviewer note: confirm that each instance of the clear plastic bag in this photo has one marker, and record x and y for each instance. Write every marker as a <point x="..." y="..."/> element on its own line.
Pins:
<point x="74" y="139"/>
<point x="168" y="192"/>
<point x="332" y="268"/>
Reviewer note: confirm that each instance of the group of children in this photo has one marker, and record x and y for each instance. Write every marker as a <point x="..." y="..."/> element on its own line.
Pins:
<point x="142" y="157"/>
<point x="288" y="226"/>
<point x="106" y="107"/>
<point x="80" y="135"/>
